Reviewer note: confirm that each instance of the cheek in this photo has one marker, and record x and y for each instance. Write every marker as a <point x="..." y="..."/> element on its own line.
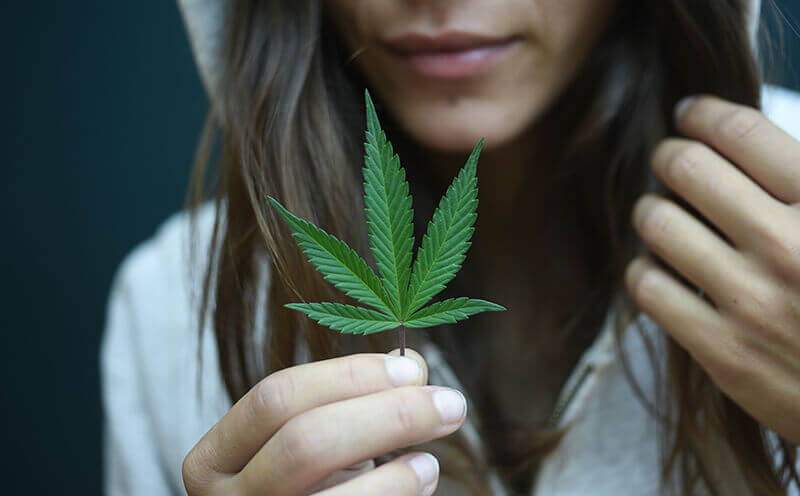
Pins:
<point x="573" y="26"/>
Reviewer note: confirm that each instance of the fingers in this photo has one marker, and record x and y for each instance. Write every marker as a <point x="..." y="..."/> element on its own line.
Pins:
<point x="692" y="249"/>
<point x="330" y="437"/>
<point x="344" y="475"/>
<point x="412" y="474"/>
<point x="233" y="441"/>
<point x="746" y="137"/>
<point x="690" y="320"/>
<point x="720" y="191"/>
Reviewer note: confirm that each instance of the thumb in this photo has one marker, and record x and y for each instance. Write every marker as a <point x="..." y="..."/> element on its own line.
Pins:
<point x="410" y="353"/>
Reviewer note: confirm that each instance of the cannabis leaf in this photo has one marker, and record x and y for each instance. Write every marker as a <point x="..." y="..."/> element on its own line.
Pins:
<point x="449" y="311"/>
<point x="346" y="318"/>
<point x="339" y="263"/>
<point x="444" y="246"/>
<point x="389" y="214"/>
<point x="399" y="296"/>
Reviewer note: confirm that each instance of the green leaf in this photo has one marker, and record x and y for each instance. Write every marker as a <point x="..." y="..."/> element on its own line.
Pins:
<point x="403" y="289"/>
<point x="339" y="263"/>
<point x="389" y="213"/>
<point x="450" y="311"/>
<point x="445" y="244"/>
<point x="346" y="318"/>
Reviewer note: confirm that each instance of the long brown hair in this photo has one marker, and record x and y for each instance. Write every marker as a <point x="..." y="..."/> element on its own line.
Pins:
<point x="291" y="120"/>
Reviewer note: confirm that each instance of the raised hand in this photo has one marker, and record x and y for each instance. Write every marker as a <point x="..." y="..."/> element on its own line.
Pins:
<point x="742" y="173"/>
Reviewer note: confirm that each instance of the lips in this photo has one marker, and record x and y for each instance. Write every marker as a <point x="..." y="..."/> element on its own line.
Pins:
<point x="449" y="55"/>
<point x="451" y="41"/>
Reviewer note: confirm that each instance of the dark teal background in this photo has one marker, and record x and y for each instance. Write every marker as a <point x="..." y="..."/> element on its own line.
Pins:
<point x="101" y="110"/>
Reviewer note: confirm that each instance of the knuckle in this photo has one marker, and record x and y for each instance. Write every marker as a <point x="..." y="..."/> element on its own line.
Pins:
<point x="406" y="418"/>
<point x="273" y="396"/>
<point x="767" y="311"/>
<point x="686" y="162"/>
<point x="292" y="447"/>
<point x="734" y="361"/>
<point x="355" y="376"/>
<point x="742" y="122"/>
<point x="783" y="248"/>
<point x="646" y="286"/>
<point x="303" y="442"/>
<point x="731" y="366"/>
<point x="794" y="185"/>
<point x="194" y="473"/>
<point x="788" y="247"/>
<point x="188" y="474"/>
<point x="661" y="151"/>
<point x="657" y="222"/>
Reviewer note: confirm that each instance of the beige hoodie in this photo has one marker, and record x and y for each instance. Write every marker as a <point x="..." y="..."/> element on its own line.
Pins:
<point x="153" y="415"/>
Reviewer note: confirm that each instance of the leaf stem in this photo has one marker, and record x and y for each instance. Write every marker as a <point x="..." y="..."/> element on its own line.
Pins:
<point x="402" y="340"/>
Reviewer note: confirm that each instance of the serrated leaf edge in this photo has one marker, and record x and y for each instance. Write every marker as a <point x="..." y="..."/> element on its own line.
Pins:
<point x="425" y="283"/>
<point x="379" y="292"/>
<point x="381" y="165"/>
<point x="455" y="314"/>
<point x="333" y="314"/>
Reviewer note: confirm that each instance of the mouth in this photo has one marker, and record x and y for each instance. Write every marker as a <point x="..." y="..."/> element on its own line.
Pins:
<point x="450" y="55"/>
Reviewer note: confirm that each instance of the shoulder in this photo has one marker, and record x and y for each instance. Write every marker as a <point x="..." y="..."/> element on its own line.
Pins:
<point x="155" y="294"/>
<point x="160" y="378"/>
<point x="782" y="106"/>
<point x="157" y="262"/>
<point x="159" y="282"/>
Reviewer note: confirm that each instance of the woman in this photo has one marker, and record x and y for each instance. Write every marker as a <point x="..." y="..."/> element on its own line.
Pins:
<point x="613" y="372"/>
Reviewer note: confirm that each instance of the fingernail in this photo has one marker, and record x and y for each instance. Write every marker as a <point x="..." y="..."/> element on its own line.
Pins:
<point x="403" y="371"/>
<point x="683" y="104"/>
<point x="426" y="467"/>
<point x="451" y="405"/>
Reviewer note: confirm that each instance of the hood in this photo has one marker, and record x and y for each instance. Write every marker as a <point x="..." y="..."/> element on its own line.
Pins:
<point x="204" y="23"/>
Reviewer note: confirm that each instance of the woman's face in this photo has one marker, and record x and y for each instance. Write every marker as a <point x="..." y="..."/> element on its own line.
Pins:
<point x="451" y="71"/>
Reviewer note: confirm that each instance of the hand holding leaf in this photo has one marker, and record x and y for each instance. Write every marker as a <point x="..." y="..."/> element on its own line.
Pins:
<point x="399" y="296"/>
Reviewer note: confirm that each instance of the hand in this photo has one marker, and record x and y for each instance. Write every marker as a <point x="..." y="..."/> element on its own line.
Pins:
<point x="298" y="430"/>
<point x="742" y="173"/>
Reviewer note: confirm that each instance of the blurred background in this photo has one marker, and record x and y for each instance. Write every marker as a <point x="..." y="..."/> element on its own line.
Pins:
<point x="102" y="111"/>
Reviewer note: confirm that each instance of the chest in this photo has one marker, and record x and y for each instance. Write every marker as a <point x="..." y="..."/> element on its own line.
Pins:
<point x="531" y="350"/>
<point x="531" y="361"/>
<point x="611" y="445"/>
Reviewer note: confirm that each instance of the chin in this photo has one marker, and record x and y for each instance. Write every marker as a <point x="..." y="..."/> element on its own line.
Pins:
<point x="449" y="130"/>
<point x="457" y="124"/>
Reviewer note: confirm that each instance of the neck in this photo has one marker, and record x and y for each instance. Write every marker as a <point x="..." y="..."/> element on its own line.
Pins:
<point x="526" y="253"/>
<point x="515" y="201"/>
<point x="503" y="172"/>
